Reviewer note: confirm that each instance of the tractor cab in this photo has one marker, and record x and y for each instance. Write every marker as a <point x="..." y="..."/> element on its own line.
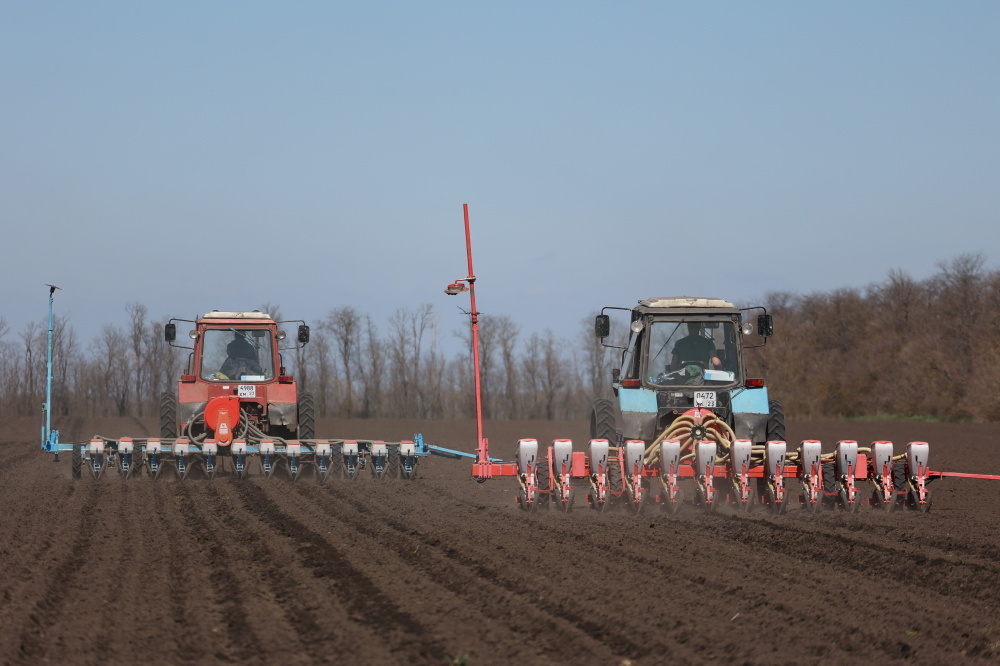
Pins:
<point x="683" y="354"/>
<point x="235" y="364"/>
<point x="237" y="354"/>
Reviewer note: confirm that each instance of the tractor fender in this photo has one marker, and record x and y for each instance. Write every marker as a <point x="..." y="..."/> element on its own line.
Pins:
<point x="639" y="412"/>
<point x="750" y="412"/>
<point x="284" y="414"/>
<point x="186" y="411"/>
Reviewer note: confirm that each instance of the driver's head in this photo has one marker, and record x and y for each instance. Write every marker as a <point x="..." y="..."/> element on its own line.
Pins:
<point x="240" y="348"/>
<point x="695" y="328"/>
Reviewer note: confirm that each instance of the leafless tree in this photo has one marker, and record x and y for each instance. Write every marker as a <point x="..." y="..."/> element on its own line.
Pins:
<point x="371" y="371"/>
<point x="507" y="332"/>
<point x="325" y="369"/>
<point x="345" y="324"/>
<point x="137" y="338"/>
<point x="114" y="366"/>
<point x="404" y="345"/>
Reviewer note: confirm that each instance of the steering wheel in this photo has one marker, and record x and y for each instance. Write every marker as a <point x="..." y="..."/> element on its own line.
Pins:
<point x="700" y="364"/>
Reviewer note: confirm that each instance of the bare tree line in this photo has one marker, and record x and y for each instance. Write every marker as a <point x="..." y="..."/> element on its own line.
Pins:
<point x="354" y="368"/>
<point x="903" y="347"/>
<point x="926" y="348"/>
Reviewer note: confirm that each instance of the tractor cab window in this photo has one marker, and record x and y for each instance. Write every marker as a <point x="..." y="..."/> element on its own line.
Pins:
<point x="237" y="355"/>
<point x="692" y="352"/>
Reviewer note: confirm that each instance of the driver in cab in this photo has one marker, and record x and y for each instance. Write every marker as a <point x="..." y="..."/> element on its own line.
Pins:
<point x="242" y="360"/>
<point x="695" y="348"/>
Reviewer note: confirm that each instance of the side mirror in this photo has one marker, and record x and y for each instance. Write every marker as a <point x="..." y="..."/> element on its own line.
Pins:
<point x="765" y="328"/>
<point x="169" y="332"/>
<point x="602" y="326"/>
<point x="303" y="335"/>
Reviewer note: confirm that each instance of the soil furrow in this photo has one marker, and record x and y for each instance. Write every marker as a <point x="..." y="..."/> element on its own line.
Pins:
<point x="443" y="569"/>
<point x="450" y="565"/>
<point x="355" y="590"/>
<point x="47" y="609"/>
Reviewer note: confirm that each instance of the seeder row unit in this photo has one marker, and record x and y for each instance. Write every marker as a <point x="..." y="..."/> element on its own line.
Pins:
<point x="736" y="472"/>
<point x="325" y="458"/>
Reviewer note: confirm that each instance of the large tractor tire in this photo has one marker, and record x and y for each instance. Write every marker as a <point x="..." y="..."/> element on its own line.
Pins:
<point x="307" y="416"/>
<point x="602" y="421"/>
<point x="775" y="422"/>
<point x="168" y="415"/>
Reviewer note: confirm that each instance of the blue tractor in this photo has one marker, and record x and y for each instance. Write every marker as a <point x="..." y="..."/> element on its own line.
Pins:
<point x="683" y="378"/>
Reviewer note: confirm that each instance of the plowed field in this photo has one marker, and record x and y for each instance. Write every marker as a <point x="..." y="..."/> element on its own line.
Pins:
<point x="442" y="568"/>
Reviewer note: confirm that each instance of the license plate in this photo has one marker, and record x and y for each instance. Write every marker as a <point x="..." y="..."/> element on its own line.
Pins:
<point x="704" y="398"/>
<point x="250" y="391"/>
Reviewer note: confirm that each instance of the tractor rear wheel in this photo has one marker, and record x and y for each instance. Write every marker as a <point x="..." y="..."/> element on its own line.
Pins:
<point x="775" y="422"/>
<point x="307" y="416"/>
<point x="168" y="415"/>
<point x="602" y="421"/>
<point x="76" y="462"/>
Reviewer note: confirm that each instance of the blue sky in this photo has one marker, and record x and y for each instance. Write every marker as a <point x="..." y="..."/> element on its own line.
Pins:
<point x="198" y="156"/>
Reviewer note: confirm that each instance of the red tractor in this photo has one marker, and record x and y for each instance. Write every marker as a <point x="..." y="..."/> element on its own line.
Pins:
<point x="235" y="385"/>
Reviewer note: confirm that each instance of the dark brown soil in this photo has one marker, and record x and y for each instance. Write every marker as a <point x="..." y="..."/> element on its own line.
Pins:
<point x="443" y="567"/>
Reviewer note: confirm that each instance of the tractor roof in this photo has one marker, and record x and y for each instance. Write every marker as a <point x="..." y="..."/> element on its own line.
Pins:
<point x="687" y="304"/>
<point x="215" y="314"/>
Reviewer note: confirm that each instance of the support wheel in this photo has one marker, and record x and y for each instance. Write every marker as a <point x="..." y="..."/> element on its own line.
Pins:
<point x="567" y="506"/>
<point x="743" y="507"/>
<point x="634" y="506"/>
<point x="306" y="416"/>
<point x="168" y="415"/>
<point x="527" y="502"/>
<point x="544" y="480"/>
<point x="899" y="481"/>
<point x="395" y="470"/>
<point x="770" y="498"/>
<point x="844" y="501"/>
<point x="615" y="484"/>
<point x="808" y="506"/>
<point x="829" y="484"/>
<point x="718" y="499"/>
<point x="76" y="462"/>
<point x="336" y="462"/>
<point x="915" y="501"/>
